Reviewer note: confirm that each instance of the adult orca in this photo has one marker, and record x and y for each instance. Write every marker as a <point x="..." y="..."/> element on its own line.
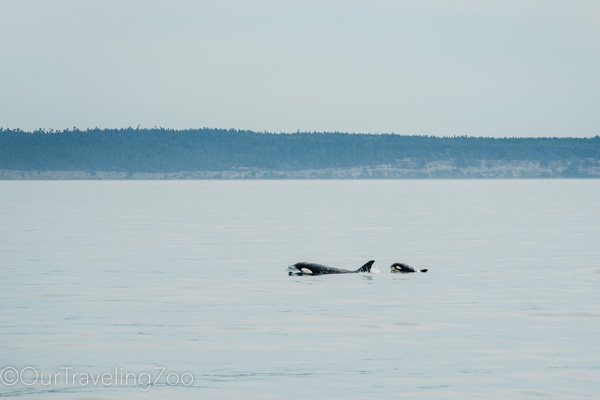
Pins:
<point x="403" y="268"/>
<point x="306" y="268"/>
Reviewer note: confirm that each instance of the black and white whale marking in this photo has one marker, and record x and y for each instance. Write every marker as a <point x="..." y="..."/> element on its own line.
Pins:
<point x="403" y="268"/>
<point x="306" y="268"/>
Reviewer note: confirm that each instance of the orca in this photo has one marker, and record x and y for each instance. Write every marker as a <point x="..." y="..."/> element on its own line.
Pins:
<point x="403" y="268"/>
<point x="306" y="268"/>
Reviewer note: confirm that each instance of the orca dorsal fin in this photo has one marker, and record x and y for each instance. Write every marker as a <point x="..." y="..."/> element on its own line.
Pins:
<point x="366" y="267"/>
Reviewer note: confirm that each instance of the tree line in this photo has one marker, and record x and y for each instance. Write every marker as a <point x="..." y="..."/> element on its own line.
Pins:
<point x="164" y="150"/>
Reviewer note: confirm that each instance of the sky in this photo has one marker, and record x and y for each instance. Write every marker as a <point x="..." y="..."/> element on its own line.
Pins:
<point x="510" y="68"/>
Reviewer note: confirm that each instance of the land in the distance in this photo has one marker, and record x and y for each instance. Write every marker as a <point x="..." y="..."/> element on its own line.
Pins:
<point x="232" y="154"/>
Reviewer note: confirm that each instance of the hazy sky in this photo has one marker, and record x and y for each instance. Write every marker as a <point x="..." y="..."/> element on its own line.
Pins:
<point x="471" y="67"/>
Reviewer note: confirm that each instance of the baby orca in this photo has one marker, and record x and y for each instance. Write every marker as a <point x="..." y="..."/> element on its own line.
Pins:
<point x="306" y="268"/>
<point x="403" y="268"/>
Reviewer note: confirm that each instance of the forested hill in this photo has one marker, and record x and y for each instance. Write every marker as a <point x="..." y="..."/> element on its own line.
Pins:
<point x="162" y="151"/>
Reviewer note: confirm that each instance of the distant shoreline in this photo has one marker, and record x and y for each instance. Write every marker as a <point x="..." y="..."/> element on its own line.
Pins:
<point x="443" y="169"/>
<point x="232" y="154"/>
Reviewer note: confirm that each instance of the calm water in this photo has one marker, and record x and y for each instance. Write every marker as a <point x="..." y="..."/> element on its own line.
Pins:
<point x="190" y="276"/>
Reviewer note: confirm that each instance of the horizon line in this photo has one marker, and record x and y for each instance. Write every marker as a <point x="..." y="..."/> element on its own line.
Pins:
<point x="139" y="128"/>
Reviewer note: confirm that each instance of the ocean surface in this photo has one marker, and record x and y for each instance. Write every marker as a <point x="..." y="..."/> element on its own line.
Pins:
<point x="181" y="287"/>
